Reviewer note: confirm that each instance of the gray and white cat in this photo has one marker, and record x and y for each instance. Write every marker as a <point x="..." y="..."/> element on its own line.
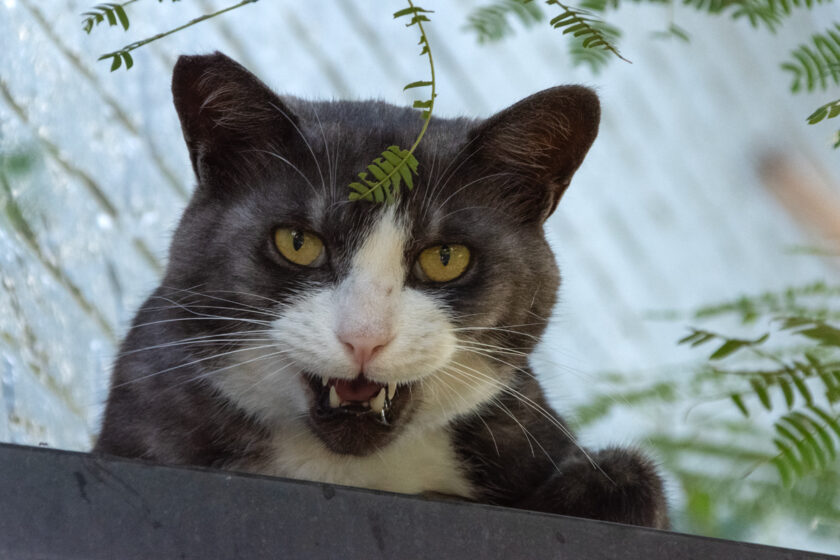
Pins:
<point x="299" y="334"/>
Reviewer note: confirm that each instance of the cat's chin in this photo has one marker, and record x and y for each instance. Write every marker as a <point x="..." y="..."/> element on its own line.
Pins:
<point x="358" y="417"/>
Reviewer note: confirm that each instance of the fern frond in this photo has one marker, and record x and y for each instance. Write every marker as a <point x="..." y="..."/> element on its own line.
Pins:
<point x="769" y="13"/>
<point x="673" y="31"/>
<point x="599" y="5"/>
<point x="492" y="22"/>
<point x="117" y="59"/>
<point x="595" y="59"/>
<point x="827" y="111"/>
<point x="584" y="26"/>
<point x="111" y="12"/>
<point x="394" y="167"/>
<point x="819" y="331"/>
<point x="766" y="12"/>
<point x="807" y="302"/>
<point x="729" y="345"/>
<point x="815" y="65"/>
<point x="807" y="440"/>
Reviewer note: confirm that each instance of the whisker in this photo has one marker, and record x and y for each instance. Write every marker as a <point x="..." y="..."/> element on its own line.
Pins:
<point x="489" y="431"/>
<point x="200" y="340"/>
<point x="326" y="146"/>
<point x="293" y="166"/>
<point x="306" y="142"/>
<point x="485" y="177"/>
<point x="194" y="362"/>
<point x="219" y="318"/>
<point x="488" y="355"/>
<point x="531" y="404"/>
<point x="497" y="329"/>
<point x="207" y="294"/>
<point x="189" y="307"/>
<point x="237" y="364"/>
<point x="491" y="347"/>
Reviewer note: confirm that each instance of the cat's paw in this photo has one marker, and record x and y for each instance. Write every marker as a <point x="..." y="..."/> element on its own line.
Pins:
<point x="622" y="486"/>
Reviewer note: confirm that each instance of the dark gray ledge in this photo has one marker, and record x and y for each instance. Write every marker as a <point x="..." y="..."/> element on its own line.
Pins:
<point x="60" y="504"/>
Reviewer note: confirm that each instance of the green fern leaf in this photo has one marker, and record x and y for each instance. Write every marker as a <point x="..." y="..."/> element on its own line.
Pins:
<point x="392" y="168"/>
<point x="599" y="5"/>
<point x="809" y="448"/>
<point x="820" y="430"/>
<point x="421" y="83"/>
<point x="823" y="333"/>
<point x="760" y="390"/>
<point x="582" y="24"/>
<point x="827" y="111"/>
<point x="727" y="348"/>
<point x="804" y="392"/>
<point x="414" y="11"/>
<point x="492" y="22"/>
<point x="691" y="337"/>
<point x="787" y="391"/>
<point x="784" y="469"/>
<point x="732" y="345"/>
<point x="739" y="402"/>
<point x="111" y="12"/>
<point x="831" y="422"/>
<point x="787" y="456"/>
<point x="817" y="63"/>
<point x="584" y="49"/>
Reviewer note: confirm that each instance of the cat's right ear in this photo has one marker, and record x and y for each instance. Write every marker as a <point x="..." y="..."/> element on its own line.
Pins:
<point x="230" y="119"/>
<point x="537" y="145"/>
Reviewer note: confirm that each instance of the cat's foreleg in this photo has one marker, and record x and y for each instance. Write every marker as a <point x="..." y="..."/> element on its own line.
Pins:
<point x="621" y="486"/>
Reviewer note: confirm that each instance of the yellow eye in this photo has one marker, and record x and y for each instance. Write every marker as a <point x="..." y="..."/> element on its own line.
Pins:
<point x="300" y="247"/>
<point x="443" y="263"/>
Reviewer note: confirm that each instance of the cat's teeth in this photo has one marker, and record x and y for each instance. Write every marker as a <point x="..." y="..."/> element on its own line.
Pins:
<point x="335" y="402"/>
<point x="377" y="403"/>
<point x="392" y="390"/>
<point x="324" y="381"/>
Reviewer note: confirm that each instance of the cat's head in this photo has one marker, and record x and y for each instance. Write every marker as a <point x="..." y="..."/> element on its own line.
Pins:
<point x="364" y="322"/>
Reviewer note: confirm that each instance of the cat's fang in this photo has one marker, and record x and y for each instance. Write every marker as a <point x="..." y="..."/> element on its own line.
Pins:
<point x="392" y="390"/>
<point x="335" y="402"/>
<point x="377" y="403"/>
<point x="324" y="382"/>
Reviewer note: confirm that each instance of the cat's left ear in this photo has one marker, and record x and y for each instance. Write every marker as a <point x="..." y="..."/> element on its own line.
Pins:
<point x="229" y="118"/>
<point x="541" y="141"/>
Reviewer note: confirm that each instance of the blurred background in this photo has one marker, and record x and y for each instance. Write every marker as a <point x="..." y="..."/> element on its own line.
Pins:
<point x="706" y="202"/>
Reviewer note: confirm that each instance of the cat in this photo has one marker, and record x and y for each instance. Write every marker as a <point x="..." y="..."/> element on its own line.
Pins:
<point x="300" y="334"/>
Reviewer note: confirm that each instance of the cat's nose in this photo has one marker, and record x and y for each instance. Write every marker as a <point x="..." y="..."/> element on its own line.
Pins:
<point x="363" y="347"/>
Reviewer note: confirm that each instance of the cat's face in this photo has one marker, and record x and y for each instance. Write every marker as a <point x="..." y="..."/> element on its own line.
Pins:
<point x="365" y="321"/>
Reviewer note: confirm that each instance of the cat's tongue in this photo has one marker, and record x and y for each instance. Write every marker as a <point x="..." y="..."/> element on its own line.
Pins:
<point x="359" y="389"/>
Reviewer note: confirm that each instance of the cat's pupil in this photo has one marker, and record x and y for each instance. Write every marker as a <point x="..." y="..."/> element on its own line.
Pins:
<point x="297" y="239"/>
<point x="445" y="254"/>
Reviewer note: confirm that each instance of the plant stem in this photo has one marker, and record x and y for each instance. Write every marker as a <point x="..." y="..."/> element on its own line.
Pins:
<point x="136" y="45"/>
<point x="427" y="120"/>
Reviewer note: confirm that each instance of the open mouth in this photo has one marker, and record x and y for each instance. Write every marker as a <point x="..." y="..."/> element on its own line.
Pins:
<point x="356" y="416"/>
<point x="359" y="396"/>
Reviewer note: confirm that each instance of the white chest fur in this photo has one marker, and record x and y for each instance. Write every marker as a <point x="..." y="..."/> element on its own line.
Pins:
<point x="410" y="465"/>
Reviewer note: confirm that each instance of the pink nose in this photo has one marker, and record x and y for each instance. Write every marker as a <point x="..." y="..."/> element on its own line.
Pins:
<point x="364" y="347"/>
